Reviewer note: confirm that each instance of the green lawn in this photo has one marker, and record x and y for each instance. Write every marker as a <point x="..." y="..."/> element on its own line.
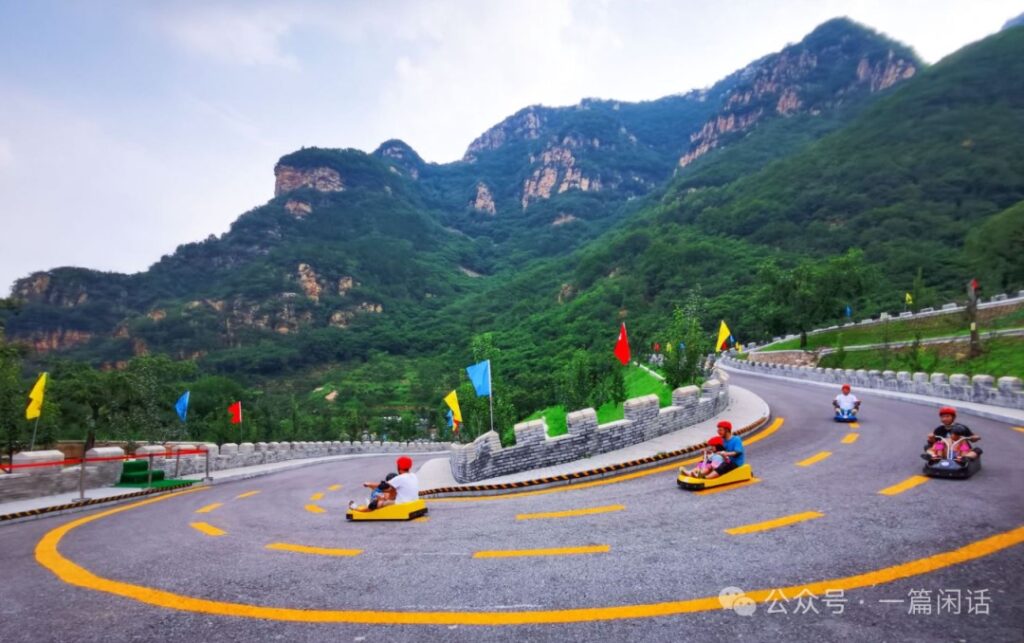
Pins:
<point x="638" y="383"/>
<point x="1002" y="356"/>
<point x="900" y="330"/>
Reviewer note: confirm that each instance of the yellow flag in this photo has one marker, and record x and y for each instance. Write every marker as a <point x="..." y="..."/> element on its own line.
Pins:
<point x="724" y="334"/>
<point x="909" y="299"/>
<point x="452" y="400"/>
<point x="35" y="405"/>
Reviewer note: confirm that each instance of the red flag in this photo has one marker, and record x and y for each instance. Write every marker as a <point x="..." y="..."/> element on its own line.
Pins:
<point x="622" y="346"/>
<point x="236" y="413"/>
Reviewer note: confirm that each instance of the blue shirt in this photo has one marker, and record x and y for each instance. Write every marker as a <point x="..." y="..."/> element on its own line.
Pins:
<point x="736" y="444"/>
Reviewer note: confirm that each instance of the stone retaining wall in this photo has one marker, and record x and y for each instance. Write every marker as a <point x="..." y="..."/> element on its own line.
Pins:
<point x="35" y="482"/>
<point x="995" y="301"/>
<point x="644" y="420"/>
<point x="982" y="389"/>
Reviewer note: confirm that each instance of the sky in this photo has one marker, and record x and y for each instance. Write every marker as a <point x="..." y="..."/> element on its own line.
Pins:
<point x="130" y="127"/>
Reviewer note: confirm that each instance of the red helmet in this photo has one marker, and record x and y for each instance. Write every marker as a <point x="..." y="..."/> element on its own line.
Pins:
<point x="725" y="424"/>
<point x="947" y="410"/>
<point x="404" y="463"/>
<point x="846" y="387"/>
<point x="716" y="442"/>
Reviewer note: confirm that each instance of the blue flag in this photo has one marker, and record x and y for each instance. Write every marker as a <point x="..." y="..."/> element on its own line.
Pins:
<point x="182" y="406"/>
<point x="450" y="418"/>
<point x="480" y="375"/>
<point x="849" y="311"/>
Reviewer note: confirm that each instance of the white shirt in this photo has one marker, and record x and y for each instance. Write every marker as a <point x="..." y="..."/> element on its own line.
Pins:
<point x="407" y="486"/>
<point x="846" y="402"/>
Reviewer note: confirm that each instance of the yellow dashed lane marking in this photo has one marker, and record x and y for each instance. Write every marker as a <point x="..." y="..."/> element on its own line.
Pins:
<point x="817" y="457"/>
<point x="208" y="508"/>
<point x="726" y="487"/>
<point x="48" y="555"/>
<point x="774" y="524"/>
<point x="207" y="528"/>
<point x="850" y="438"/>
<point x="764" y="433"/>
<point x="909" y="483"/>
<point x="571" y="512"/>
<point x="317" y="496"/>
<point x="1019" y="429"/>
<point x="319" y="551"/>
<point x="315" y="509"/>
<point x="334" y="487"/>
<point x="556" y="551"/>
<point x="246" y="494"/>
<point x="854" y="425"/>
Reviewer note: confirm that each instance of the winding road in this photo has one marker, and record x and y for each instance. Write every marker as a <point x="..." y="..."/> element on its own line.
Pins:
<point x="839" y="538"/>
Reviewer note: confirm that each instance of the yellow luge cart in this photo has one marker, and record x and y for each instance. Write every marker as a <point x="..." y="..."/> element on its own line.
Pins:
<point x="404" y="511"/>
<point x="739" y="474"/>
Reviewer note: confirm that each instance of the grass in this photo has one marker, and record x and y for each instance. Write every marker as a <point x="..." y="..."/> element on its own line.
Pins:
<point x="1002" y="356"/>
<point x="638" y="383"/>
<point x="905" y="330"/>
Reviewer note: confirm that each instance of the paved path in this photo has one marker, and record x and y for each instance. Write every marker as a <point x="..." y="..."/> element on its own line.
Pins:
<point x="638" y="554"/>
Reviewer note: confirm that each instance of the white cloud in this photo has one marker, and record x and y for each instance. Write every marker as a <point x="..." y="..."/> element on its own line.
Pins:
<point x="6" y="153"/>
<point x="244" y="35"/>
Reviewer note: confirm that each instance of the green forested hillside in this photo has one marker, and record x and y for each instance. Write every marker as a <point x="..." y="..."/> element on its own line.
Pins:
<point x="384" y="290"/>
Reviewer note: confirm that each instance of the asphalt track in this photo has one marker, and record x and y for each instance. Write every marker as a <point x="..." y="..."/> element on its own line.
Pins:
<point x="273" y="558"/>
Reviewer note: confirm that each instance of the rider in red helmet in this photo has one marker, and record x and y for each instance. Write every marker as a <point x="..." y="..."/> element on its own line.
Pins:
<point x="396" y="489"/>
<point x="947" y="415"/>
<point x="711" y="462"/>
<point x="846" y="401"/>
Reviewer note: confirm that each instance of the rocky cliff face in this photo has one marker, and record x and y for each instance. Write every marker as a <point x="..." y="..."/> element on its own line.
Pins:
<point x="323" y="179"/>
<point x="55" y="340"/>
<point x="401" y="158"/>
<point x="41" y="288"/>
<point x="811" y="76"/>
<point x="525" y="124"/>
<point x="484" y="201"/>
<point x="556" y="172"/>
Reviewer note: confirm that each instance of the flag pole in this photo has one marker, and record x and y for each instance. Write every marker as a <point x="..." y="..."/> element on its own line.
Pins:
<point x="32" y="445"/>
<point x="490" y="388"/>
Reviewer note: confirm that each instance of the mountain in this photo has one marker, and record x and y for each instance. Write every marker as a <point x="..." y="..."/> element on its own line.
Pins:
<point x="558" y="222"/>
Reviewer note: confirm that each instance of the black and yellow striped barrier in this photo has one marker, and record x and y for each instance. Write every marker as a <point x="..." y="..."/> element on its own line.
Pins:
<point x="490" y="489"/>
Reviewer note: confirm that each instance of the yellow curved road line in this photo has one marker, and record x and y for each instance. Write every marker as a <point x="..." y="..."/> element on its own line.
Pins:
<point x="315" y="509"/>
<point x="570" y="513"/>
<point x="49" y="557"/>
<point x="555" y="551"/>
<point x="772" y="428"/>
<point x="319" y="551"/>
<point x="207" y="528"/>
<point x="774" y="523"/>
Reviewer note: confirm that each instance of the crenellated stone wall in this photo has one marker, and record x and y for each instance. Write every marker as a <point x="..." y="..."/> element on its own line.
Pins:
<point x="982" y="389"/>
<point x="644" y="420"/>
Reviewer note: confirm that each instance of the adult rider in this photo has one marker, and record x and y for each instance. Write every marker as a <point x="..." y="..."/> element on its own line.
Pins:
<point x="846" y="401"/>
<point x="947" y="415"/>
<point x="733" y="453"/>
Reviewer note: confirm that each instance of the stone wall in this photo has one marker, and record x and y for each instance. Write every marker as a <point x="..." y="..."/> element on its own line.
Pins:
<point x="983" y="389"/>
<point x="34" y="482"/>
<point x="644" y="420"/>
<point x="993" y="302"/>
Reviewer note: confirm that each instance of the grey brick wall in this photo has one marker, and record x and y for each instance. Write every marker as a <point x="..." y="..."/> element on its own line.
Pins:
<point x="485" y="458"/>
<point x="983" y="389"/>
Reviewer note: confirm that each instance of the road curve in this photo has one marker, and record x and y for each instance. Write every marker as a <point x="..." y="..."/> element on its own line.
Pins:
<point x="638" y="559"/>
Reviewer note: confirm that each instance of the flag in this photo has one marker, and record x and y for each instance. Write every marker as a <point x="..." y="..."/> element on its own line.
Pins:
<point x="622" y="345"/>
<point x="236" y="412"/>
<point x="908" y="299"/>
<point x="668" y="347"/>
<point x="480" y="375"/>
<point x="35" y="404"/>
<point x="724" y="337"/>
<point x="181" y="406"/>
<point x="454" y="413"/>
<point x="657" y="347"/>
<point x="849" y="311"/>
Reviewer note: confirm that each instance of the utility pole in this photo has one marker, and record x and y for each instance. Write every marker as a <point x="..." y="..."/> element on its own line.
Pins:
<point x="973" y="288"/>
